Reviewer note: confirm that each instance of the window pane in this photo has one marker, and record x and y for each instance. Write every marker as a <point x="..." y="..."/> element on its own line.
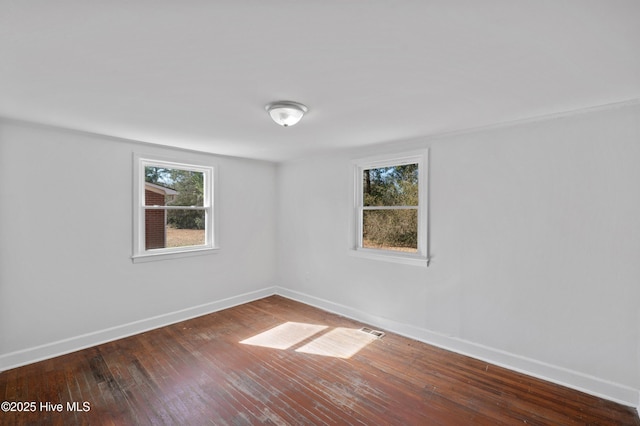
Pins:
<point x="184" y="237"/>
<point x="390" y="230"/>
<point x="155" y="229"/>
<point x="391" y="186"/>
<point x="174" y="228"/>
<point x="173" y="187"/>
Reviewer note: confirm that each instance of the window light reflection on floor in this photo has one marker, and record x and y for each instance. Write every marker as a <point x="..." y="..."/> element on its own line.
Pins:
<point x="339" y="342"/>
<point x="285" y="335"/>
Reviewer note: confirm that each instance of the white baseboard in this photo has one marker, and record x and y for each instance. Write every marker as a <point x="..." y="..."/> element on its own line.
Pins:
<point x="65" y="346"/>
<point x="582" y="382"/>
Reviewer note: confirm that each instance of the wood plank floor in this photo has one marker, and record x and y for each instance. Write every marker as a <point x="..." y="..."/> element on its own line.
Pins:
<point x="276" y="361"/>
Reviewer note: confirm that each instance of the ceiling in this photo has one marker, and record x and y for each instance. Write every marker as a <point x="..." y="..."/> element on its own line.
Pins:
<point x="197" y="74"/>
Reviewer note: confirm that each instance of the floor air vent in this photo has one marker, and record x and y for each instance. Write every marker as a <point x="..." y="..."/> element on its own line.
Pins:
<point x="377" y="334"/>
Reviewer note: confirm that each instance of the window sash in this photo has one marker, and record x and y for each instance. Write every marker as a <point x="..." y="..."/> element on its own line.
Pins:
<point x="176" y="207"/>
<point x="390" y="207"/>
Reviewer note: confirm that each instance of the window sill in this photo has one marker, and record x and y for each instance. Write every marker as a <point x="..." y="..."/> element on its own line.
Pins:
<point x="391" y="256"/>
<point x="152" y="257"/>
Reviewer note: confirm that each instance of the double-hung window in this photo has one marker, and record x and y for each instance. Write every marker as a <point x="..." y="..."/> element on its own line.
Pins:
<point x="173" y="209"/>
<point x="391" y="208"/>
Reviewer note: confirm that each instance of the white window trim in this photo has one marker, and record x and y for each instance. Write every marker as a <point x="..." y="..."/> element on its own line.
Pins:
<point x="421" y="258"/>
<point x="140" y="253"/>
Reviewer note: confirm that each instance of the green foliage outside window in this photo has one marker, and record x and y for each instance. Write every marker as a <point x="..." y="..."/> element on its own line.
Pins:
<point x="392" y="229"/>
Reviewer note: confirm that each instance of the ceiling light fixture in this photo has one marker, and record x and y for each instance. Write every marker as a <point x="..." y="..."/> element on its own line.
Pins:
<point x="286" y="113"/>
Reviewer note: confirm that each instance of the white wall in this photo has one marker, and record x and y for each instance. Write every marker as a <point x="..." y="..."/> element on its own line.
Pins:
<point x="66" y="243"/>
<point x="535" y="241"/>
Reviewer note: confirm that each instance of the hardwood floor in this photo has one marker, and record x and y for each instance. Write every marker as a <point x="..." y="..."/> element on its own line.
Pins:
<point x="276" y="361"/>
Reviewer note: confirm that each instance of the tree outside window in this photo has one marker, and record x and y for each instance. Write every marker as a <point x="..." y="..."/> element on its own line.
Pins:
<point x="390" y="213"/>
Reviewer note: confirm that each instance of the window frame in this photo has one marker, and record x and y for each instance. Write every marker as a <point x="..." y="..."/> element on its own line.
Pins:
<point x="140" y="253"/>
<point x="421" y="257"/>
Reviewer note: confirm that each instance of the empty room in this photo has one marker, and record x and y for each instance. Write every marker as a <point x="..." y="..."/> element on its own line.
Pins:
<point x="320" y="212"/>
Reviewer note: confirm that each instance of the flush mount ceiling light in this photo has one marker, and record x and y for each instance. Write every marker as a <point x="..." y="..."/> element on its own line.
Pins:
<point x="286" y="113"/>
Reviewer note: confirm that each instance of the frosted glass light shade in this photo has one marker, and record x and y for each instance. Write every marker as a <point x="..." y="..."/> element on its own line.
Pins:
<point x="286" y="113"/>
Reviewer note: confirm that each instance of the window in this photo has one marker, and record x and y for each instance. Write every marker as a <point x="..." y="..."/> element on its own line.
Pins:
<point x="391" y="208"/>
<point x="173" y="209"/>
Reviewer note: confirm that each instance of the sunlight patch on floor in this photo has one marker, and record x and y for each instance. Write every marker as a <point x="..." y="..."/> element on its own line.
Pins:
<point x="339" y="342"/>
<point x="285" y="335"/>
<point x="313" y="339"/>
